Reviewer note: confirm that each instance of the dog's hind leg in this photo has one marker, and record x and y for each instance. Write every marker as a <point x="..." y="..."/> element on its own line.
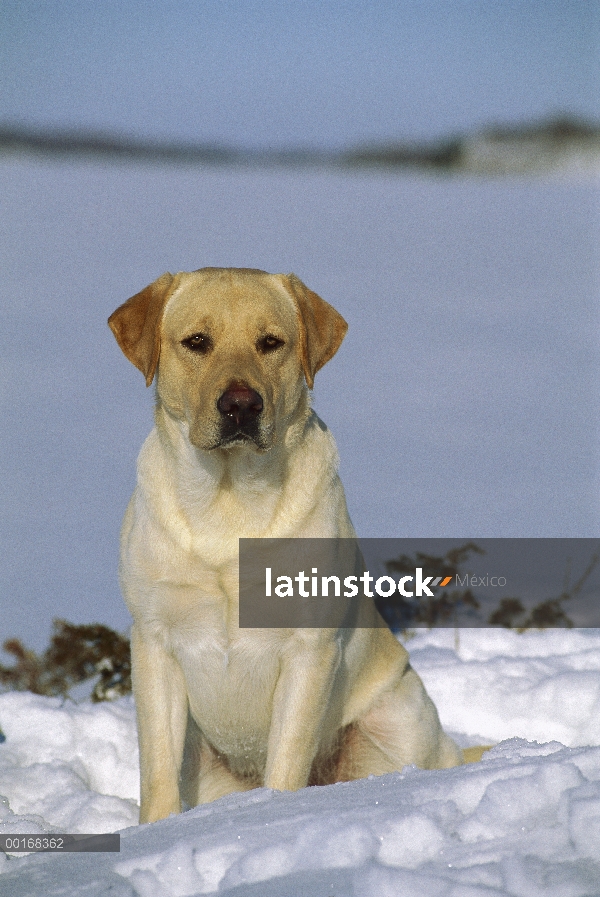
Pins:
<point x="402" y="728"/>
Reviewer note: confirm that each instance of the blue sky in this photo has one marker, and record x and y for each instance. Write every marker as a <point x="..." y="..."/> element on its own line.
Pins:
<point x="312" y="72"/>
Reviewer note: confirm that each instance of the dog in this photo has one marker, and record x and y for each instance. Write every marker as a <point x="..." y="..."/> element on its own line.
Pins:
<point x="237" y="451"/>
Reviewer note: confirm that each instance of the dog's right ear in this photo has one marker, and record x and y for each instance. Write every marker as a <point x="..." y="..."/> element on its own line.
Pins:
<point x="136" y="325"/>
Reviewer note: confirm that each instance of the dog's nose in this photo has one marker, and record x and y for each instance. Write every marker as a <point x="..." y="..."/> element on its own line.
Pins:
<point x="240" y="404"/>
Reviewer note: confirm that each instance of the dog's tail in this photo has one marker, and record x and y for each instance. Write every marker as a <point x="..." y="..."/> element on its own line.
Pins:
<point x="474" y="754"/>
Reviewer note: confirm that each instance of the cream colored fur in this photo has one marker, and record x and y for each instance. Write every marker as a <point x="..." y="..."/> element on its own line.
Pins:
<point x="221" y="708"/>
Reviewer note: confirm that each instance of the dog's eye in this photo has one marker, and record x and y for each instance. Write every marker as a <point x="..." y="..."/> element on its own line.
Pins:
<point x="269" y="343"/>
<point x="198" y="342"/>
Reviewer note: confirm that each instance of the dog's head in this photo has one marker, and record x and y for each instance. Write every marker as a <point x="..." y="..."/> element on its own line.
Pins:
<point x="235" y="349"/>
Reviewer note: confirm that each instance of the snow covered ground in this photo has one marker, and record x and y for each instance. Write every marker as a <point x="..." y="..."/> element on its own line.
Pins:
<point x="525" y="821"/>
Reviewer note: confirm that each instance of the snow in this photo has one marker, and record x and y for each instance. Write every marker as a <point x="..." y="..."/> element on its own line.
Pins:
<point x="523" y="821"/>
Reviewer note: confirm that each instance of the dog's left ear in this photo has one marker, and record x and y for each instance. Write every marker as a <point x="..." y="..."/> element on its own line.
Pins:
<point x="136" y="324"/>
<point x="322" y="328"/>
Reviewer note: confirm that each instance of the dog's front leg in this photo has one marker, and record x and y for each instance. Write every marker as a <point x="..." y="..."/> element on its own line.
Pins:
<point x="161" y="706"/>
<point x="301" y="700"/>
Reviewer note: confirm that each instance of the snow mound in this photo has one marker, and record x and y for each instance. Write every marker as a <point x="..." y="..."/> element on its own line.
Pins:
<point x="525" y="821"/>
<point x="67" y="767"/>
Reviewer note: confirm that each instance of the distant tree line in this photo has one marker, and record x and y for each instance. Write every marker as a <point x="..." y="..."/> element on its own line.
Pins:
<point x="445" y="154"/>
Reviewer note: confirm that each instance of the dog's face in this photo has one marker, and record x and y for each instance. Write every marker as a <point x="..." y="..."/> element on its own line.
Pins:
<point x="233" y="348"/>
<point x="229" y="360"/>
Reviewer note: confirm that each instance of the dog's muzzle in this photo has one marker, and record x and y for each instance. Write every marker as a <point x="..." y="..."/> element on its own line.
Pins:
<point x="240" y="408"/>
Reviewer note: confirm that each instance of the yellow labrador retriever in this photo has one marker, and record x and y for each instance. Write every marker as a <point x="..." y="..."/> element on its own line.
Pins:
<point x="237" y="452"/>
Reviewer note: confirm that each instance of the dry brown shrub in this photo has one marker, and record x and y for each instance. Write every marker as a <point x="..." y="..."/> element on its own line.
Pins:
<point x="75" y="655"/>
